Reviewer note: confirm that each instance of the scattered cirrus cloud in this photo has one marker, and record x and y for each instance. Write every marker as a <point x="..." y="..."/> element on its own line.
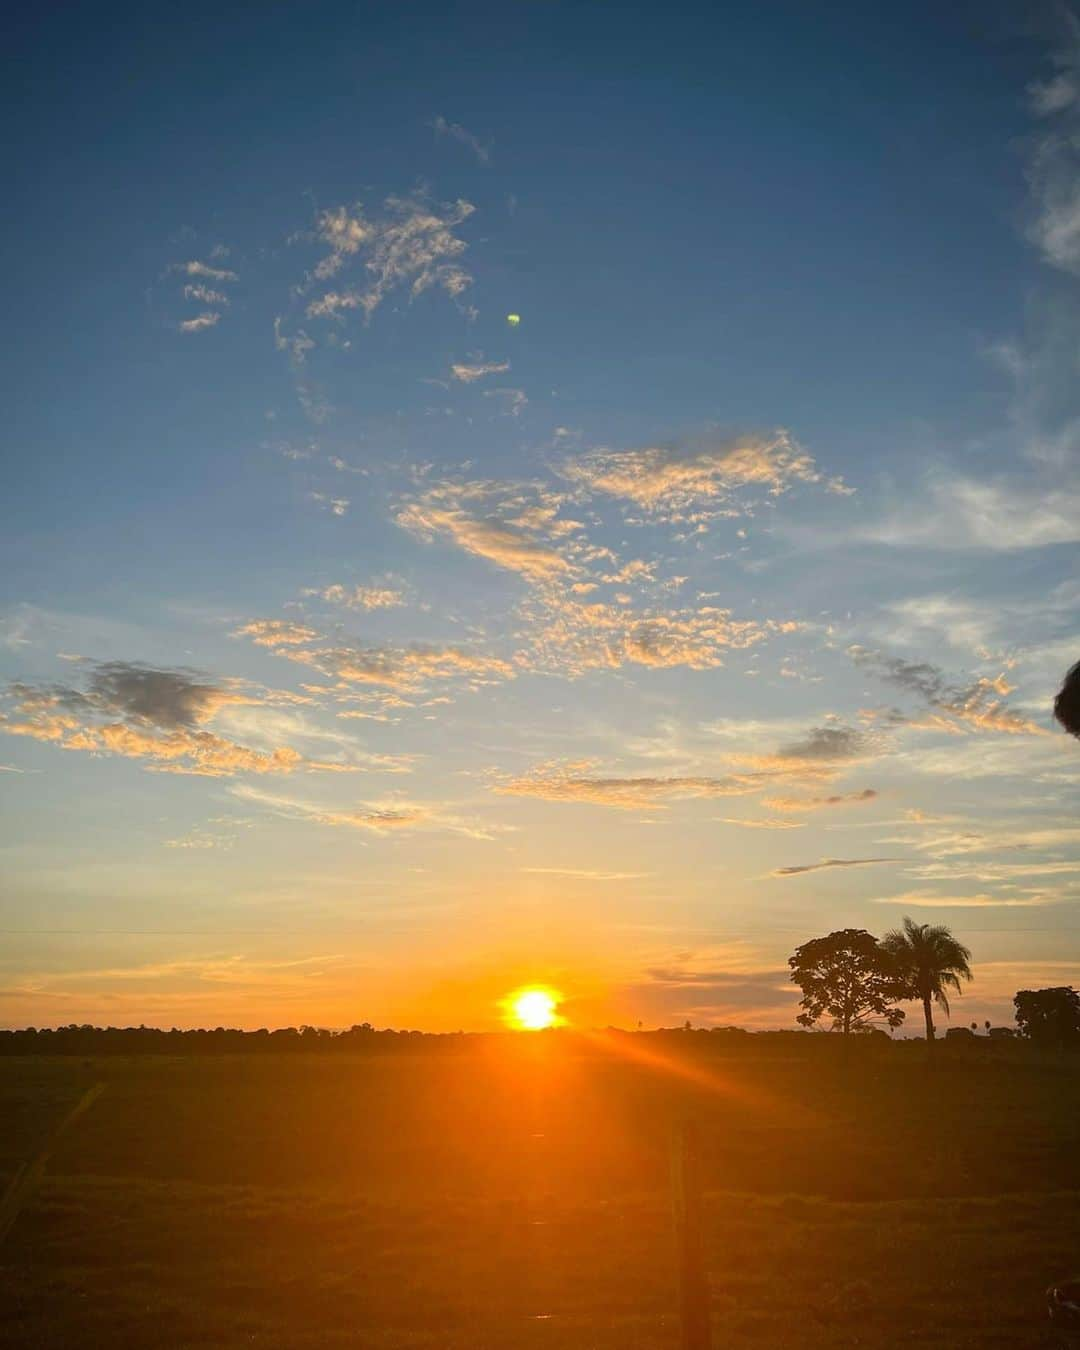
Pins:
<point x="276" y="633"/>
<point x="488" y="521"/>
<point x="407" y="669"/>
<point x="574" y="636"/>
<point x="413" y="244"/>
<point x="205" y="294"/>
<point x="381" y="596"/>
<point x="337" y="506"/>
<point x="200" y="291"/>
<point x="512" y="401"/>
<point x="694" y="485"/>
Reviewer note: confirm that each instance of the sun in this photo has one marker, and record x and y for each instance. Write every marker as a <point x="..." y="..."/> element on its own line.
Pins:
<point x="532" y="1009"/>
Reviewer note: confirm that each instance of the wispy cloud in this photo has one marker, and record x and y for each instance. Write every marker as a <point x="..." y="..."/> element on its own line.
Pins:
<point x="1001" y="514"/>
<point x="468" y="372"/>
<point x="1054" y="167"/>
<point x="829" y="742"/>
<point x="208" y="319"/>
<point x="929" y="900"/>
<point x="337" y="506"/>
<point x="380" y="818"/>
<point x="513" y="401"/>
<point x="825" y="863"/>
<point x="573" y="782"/>
<point x="585" y="873"/>
<point x="195" y="268"/>
<point x="768" y="823"/>
<point x="205" y="294"/>
<point x="455" y="131"/>
<point x="201" y="292"/>
<point x="979" y="704"/>
<point x="555" y="783"/>
<point x="820" y="803"/>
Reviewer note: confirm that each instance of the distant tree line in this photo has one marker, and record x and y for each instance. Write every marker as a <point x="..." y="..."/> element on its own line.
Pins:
<point x="1049" y="1017"/>
<point x="855" y="981"/>
<point x="143" y="1040"/>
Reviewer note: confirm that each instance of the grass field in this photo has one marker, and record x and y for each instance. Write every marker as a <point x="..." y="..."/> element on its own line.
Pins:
<point x="517" y="1195"/>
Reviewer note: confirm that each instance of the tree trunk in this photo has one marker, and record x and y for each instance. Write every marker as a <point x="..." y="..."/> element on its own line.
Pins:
<point x="928" y="1014"/>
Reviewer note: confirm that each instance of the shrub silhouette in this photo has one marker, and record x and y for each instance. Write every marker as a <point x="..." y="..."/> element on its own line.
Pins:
<point x="1049" y="1016"/>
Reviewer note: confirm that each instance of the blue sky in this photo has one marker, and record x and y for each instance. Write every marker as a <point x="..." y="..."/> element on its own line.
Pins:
<point x="365" y="653"/>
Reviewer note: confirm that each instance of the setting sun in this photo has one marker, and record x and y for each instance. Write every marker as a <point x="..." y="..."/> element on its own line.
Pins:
<point x="532" y="1009"/>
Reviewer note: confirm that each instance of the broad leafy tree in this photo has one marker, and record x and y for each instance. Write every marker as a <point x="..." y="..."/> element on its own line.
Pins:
<point x="1049" y="1016"/>
<point x="849" y="978"/>
<point x="930" y="962"/>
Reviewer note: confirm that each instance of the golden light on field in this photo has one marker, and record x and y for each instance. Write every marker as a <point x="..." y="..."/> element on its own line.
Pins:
<point x="532" y="1009"/>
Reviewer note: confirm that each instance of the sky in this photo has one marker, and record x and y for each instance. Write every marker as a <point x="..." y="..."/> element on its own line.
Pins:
<point x="534" y="493"/>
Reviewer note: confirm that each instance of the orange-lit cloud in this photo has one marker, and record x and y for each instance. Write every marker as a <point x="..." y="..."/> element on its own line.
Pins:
<point x="360" y="597"/>
<point x="147" y="713"/>
<point x="468" y="372"/>
<point x="500" y="544"/>
<point x="562" y="784"/>
<point x="672" y="484"/>
<point x="276" y="633"/>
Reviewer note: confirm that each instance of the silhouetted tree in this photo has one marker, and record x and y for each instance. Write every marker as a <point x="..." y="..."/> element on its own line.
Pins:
<point x="1049" y="1016"/>
<point x="1067" y="703"/>
<point x="929" y="961"/>
<point x="849" y="977"/>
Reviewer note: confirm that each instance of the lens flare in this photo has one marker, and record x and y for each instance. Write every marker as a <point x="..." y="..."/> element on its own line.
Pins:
<point x="532" y="1009"/>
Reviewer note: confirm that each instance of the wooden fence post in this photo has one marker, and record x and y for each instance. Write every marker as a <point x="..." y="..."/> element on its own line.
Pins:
<point x="689" y="1250"/>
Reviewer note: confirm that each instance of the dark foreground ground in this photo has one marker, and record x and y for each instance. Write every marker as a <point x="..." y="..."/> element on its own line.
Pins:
<point x="516" y="1196"/>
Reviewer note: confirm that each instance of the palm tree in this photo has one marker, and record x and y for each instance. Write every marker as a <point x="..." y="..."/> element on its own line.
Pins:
<point x="930" y="961"/>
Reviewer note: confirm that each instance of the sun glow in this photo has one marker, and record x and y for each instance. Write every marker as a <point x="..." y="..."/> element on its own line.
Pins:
<point x="532" y="1009"/>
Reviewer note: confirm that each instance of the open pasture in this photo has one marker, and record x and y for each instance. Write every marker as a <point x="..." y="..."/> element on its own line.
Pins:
<point x="515" y="1193"/>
